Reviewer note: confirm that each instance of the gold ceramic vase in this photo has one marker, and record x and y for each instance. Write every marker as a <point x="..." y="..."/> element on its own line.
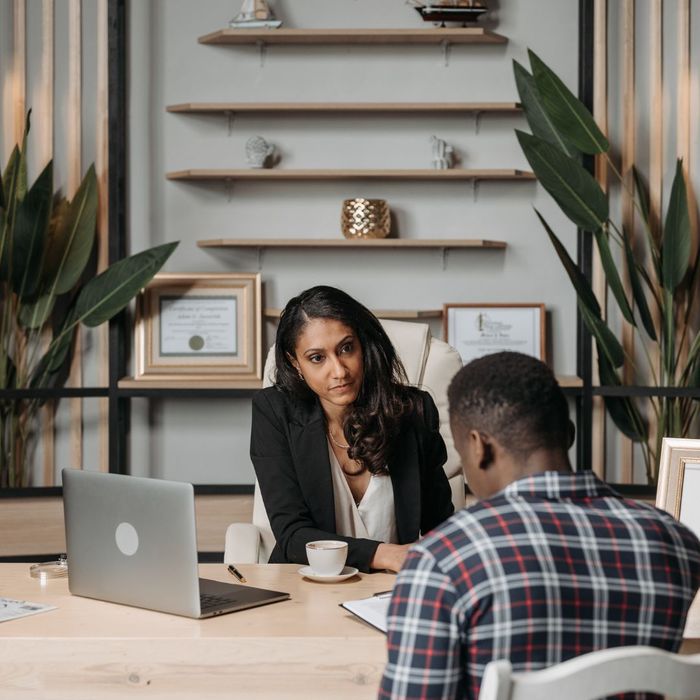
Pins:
<point x="365" y="218"/>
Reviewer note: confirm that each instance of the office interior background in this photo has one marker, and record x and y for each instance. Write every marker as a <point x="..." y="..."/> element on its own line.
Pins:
<point x="105" y="72"/>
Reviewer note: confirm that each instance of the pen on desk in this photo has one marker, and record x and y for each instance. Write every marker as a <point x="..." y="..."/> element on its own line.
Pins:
<point x="381" y="594"/>
<point x="233" y="570"/>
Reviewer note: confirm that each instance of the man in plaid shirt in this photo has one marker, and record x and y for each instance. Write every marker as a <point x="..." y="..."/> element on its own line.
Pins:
<point x="548" y="565"/>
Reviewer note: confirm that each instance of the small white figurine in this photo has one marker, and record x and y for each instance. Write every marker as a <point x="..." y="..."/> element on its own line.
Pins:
<point x="258" y="152"/>
<point x="443" y="154"/>
<point x="255" y="14"/>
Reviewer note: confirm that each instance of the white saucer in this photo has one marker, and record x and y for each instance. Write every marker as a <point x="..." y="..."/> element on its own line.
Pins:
<point x="347" y="572"/>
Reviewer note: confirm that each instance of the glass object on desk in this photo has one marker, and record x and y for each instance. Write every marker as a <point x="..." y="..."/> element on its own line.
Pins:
<point x="50" y="569"/>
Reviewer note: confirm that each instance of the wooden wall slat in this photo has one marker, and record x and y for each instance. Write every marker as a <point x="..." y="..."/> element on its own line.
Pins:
<point x="19" y="66"/>
<point x="628" y="160"/>
<point x="102" y="169"/>
<point x="74" y="176"/>
<point x="600" y="112"/>
<point x="656" y="150"/>
<point x="48" y="411"/>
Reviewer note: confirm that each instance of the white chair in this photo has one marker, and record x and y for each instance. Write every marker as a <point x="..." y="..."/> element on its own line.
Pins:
<point x="430" y="364"/>
<point x="597" y="675"/>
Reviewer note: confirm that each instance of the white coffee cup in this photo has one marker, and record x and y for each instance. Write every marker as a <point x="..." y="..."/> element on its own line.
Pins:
<point x="327" y="557"/>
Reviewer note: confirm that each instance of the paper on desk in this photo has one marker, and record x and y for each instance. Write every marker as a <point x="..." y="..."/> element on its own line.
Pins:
<point x="372" y="610"/>
<point x="11" y="609"/>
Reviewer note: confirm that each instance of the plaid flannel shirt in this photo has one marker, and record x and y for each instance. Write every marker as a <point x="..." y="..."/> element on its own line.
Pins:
<point x="554" y="566"/>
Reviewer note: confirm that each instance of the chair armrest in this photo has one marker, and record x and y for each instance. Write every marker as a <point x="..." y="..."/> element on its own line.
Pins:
<point x="242" y="544"/>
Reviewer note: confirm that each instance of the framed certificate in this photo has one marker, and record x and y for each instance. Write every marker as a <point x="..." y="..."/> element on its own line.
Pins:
<point x="678" y="488"/>
<point x="475" y="330"/>
<point x="199" y="326"/>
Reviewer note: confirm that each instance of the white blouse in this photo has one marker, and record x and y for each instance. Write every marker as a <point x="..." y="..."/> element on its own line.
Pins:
<point x="374" y="518"/>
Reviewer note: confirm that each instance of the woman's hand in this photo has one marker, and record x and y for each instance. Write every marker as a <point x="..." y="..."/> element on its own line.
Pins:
<point x="390" y="556"/>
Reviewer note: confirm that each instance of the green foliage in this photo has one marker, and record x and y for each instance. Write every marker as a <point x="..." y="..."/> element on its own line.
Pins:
<point x="658" y="264"/>
<point x="48" y="288"/>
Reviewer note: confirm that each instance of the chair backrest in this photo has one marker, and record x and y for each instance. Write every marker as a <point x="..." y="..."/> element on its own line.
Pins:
<point x="430" y="364"/>
<point x="597" y="675"/>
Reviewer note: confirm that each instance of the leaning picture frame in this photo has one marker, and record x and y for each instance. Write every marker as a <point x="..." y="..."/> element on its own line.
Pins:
<point x="678" y="488"/>
<point x="199" y="326"/>
<point x="476" y="329"/>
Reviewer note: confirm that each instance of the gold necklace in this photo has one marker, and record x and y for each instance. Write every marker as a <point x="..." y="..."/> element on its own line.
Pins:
<point x="335" y="442"/>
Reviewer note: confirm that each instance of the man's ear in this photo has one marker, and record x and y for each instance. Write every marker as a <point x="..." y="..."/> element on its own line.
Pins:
<point x="486" y="456"/>
<point x="482" y="448"/>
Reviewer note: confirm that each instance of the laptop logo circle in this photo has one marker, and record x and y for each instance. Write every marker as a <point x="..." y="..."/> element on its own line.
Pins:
<point x="127" y="538"/>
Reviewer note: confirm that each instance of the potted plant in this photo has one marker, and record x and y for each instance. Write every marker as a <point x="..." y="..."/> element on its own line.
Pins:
<point x="661" y="274"/>
<point x="47" y="291"/>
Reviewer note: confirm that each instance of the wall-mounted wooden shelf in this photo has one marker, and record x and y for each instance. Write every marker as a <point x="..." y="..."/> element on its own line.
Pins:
<point x="466" y="35"/>
<point x="567" y="381"/>
<point x="396" y="314"/>
<point x="341" y="107"/>
<point x="135" y="385"/>
<point x="389" y="243"/>
<point x="280" y="174"/>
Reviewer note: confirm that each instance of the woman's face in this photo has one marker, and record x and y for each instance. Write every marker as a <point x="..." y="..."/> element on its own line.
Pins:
<point x="329" y="356"/>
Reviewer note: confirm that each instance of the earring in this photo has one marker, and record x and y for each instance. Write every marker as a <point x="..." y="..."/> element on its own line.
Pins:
<point x="301" y="376"/>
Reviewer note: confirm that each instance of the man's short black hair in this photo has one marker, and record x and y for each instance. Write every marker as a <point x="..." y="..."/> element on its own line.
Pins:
<point x="513" y="397"/>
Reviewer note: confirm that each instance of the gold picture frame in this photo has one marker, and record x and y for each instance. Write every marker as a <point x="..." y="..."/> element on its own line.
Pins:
<point x="678" y="488"/>
<point x="199" y="326"/>
<point x="476" y="329"/>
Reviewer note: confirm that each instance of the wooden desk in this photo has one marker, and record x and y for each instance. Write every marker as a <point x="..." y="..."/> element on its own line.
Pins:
<point x="307" y="647"/>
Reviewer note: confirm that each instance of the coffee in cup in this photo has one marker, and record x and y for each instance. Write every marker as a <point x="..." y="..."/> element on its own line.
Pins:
<point x="327" y="557"/>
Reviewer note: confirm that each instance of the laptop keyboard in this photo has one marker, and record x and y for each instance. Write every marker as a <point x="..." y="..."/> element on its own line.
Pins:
<point x="207" y="601"/>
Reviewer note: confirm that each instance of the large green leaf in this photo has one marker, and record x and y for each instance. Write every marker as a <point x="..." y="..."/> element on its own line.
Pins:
<point x="588" y="304"/>
<point x="613" y="276"/>
<point x="78" y="235"/>
<point x="675" y="247"/>
<point x="606" y="341"/>
<point x="622" y="410"/>
<point x="668" y="343"/>
<point x="638" y="294"/>
<point x="22" y="167"/>
<point x="578" y="279"/>
<point x="109" y="292"/>
<point x="35" y="313"/>
<point x="10" y="178"/>
<point x="568" y="114"/>
<point x="538" y="119"/>
<point x="573" y="188"/>
<point x="29" y="237"/>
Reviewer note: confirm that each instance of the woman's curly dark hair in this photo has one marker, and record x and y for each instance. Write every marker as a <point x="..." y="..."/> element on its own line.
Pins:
<point x="373" y="420"/>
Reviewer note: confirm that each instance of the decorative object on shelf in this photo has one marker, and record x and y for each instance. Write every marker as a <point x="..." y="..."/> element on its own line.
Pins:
<point x="48" y="290"/>
<point x="661" y="268"/>
<point x="441" y="11"/>
<point x="255" y="14"/>
<point x="475" y="330"/>
<point x="259" y="152"/>
<point x="678" y="490"/>
<point x="199" y="327"/>
<point x="443" y="154"/>
<point x="365" y="218"/>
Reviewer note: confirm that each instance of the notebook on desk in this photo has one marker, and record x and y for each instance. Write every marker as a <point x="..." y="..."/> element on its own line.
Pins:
<point x="133" y="541"/>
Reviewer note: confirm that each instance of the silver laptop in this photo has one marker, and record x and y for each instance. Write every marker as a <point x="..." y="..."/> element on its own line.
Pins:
<point x="133" y="541"/>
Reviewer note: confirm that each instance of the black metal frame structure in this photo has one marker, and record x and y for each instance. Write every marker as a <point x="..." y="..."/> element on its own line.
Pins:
<point x="119" y="328"/>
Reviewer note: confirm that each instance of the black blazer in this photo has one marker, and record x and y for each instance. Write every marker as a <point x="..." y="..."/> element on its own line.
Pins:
<point x="289" y="450"/>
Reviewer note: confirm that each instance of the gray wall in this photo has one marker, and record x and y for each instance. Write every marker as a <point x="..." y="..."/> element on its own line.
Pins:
<point x="207" y="441"/>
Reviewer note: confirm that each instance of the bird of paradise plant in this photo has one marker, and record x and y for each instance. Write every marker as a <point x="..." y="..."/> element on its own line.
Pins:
<point x="47" y="290"/>
<point x="662" y="276"/>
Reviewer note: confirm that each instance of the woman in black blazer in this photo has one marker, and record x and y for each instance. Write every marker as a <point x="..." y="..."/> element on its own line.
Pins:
<point x="340" y="408"/>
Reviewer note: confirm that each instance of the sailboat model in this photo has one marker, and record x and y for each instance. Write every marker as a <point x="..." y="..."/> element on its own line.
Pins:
<point x="255" y="14"/>
<point x="450" y="10"/>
